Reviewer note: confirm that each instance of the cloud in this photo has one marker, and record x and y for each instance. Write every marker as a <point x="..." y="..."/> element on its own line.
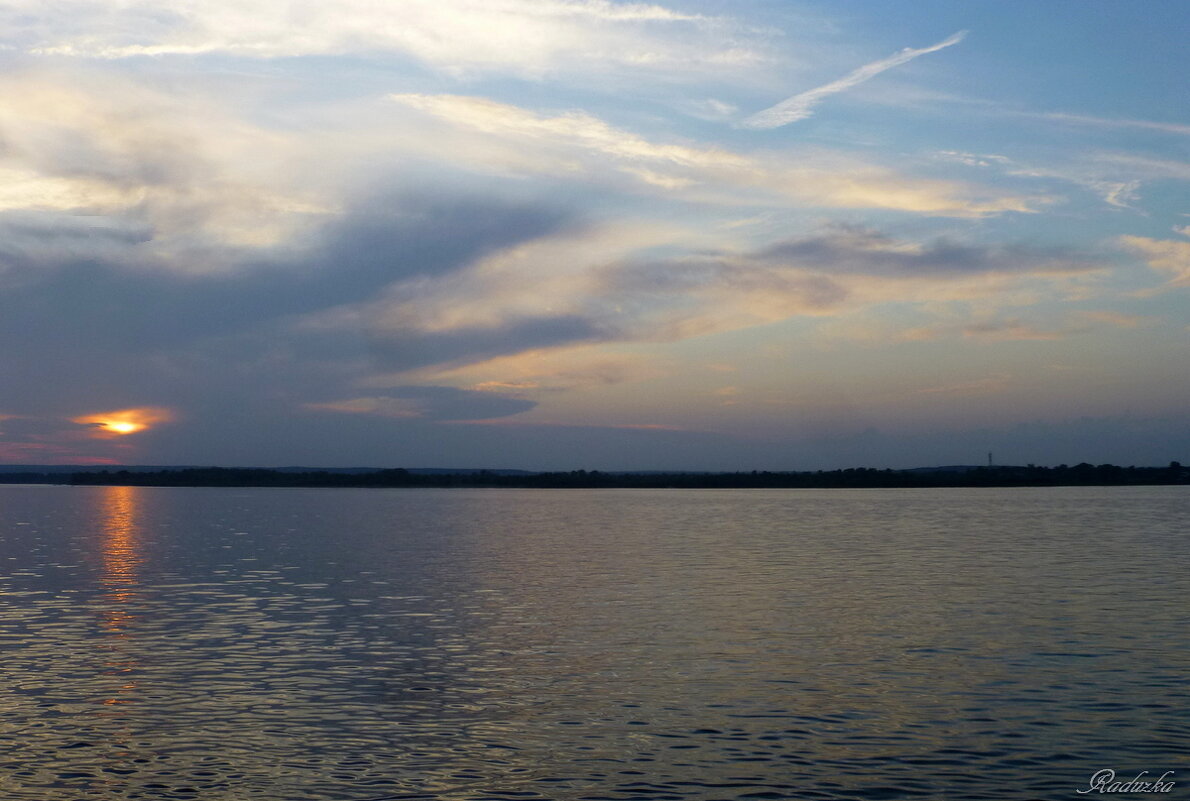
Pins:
<point x="530" y="295"/>
<point x="231" y="348"/>
<point x="406" y="348"/>
<point x="1114" y="177"/>
<point x="685" y="297"/>
<point x="974" y="159"/>
<point x="851" y="249"/>
<point x="992" y="107"/>
<point x="1010" y="330"/>
<point x="218" y="208"/>
<point x="978" y="321"/>
<point x="33" y="242"/>
<point x="1112" y="318"/>
<point x="506" y="386"/>
<point x="572" y="146"/>
<point x="1169" y="256"/>
<point x="522" y="299"/>
<point x="93" y="153"/>
<point x="548" y="424"/>
<point x="1121" y="195"/>
<point x="430" y="403"/>
<point x="423" y="284"/>
<point x="462" y="37"/>
<point x="801" y="105"/>
<point x="544" y="373"/>
<point x="474" y="325"/>
<point x="39" y="428"/>
<point x="710" y="108"/>
<point x="917" y="97"/>
<point x="1144" y="167"/>
<point x="980" y="386"/>
<point x="580" y="129"/>
<point x="386" y="240"/>
<point x="1108" y="122"/>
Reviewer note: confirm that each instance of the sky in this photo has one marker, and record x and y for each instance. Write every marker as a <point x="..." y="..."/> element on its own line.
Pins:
<point x="564" y="234"/>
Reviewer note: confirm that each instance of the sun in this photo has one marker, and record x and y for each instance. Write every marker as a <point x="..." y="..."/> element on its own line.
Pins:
<point x="122" y="422"/>
<point x="123" y="428"/>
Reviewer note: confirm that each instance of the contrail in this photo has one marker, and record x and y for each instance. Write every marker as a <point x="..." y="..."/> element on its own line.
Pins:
<point x="799" y="106"/>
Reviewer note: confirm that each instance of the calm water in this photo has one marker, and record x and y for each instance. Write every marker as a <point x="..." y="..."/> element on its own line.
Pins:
<point x="302" y="645"/>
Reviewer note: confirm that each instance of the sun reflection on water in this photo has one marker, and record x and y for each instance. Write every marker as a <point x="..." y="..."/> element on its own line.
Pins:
<point x="121" y="554"/>
<point x="122" y="558"/>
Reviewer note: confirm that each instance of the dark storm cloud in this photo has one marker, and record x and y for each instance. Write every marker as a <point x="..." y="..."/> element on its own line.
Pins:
<point x="853" y="249"/>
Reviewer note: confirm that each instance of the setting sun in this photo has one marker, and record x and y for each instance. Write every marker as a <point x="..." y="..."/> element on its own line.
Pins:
<point x="124" y="421"/>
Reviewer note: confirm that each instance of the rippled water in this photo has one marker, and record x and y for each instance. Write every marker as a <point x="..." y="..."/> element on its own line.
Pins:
<point x="302" y="645"/>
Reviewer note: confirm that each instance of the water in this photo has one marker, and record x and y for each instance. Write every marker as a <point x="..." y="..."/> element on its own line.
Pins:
<point x="357" y="645"/>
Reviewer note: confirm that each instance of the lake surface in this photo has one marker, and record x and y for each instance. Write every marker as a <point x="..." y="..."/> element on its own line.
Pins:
<point x="359" y="645"/>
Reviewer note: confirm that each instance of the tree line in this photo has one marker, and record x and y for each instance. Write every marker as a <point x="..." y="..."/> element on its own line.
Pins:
<point x="1083" y="474"/>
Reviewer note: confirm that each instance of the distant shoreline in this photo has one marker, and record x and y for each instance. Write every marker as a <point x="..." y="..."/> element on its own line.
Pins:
<point x="1084" y="474"/>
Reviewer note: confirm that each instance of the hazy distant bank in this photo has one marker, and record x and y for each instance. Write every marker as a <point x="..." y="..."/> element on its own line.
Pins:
<point x="957" y="476"/>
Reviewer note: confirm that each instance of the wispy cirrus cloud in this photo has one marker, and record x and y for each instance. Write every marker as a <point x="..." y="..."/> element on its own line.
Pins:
<point x="1115" y="177"/>
<point x="1113" y="122"/>
<point x="488" y="135"/>
<point x="801" y="105"/>
<point x="916" y="97"/>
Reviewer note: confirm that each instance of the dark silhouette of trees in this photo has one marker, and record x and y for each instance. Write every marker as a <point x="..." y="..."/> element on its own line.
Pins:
<point x="1083" y="474"/>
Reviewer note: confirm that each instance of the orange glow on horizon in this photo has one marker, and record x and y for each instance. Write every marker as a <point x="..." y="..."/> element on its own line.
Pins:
<point x="122" y="422"/>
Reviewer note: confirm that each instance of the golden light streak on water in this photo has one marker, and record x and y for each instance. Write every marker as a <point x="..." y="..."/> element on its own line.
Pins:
<point x="121" y="551"/>
<point x="121" y="556"/>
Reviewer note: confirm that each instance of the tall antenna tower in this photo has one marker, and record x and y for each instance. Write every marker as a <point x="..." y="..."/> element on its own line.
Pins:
<point x="989" y="459"/>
